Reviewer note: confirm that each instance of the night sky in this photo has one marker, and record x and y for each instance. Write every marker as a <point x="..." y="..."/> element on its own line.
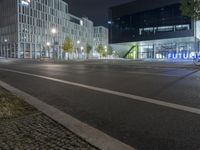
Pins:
<point x="96" y="10"/>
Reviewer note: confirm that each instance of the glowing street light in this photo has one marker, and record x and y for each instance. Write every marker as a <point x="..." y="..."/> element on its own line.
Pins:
<point x="48" y="48"/>
<point x="48" y="43"/>
<point x="77" y="49"/>
<point x="78" y="42"/>
<point x="106" y="48"/>
<point x="53" y="31"/>
<point x="6" y="40"/>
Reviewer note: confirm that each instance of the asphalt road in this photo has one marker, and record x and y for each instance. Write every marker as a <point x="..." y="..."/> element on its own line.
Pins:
<point x="143" y="125"/>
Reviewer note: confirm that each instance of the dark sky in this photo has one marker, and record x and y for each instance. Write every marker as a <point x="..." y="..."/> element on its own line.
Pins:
<point x="96" y="10"/>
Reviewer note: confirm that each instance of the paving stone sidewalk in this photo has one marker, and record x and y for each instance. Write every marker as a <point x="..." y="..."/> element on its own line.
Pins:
<point x="22" y="127"/>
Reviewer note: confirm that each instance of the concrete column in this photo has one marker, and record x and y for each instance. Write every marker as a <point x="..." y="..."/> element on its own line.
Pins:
<point x="31" y="56"/>
<point x="19" y="50"/>
<point x="15" y="51"/>
<point x="24" y="50"/>
<point x="154" y="51"/>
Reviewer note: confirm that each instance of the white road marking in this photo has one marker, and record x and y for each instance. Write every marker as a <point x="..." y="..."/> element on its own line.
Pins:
<point x="89" y="133"/>
<point x="107" y="91"/>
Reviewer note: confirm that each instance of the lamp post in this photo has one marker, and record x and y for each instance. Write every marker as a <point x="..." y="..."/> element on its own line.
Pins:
<point x="82" y="48"/>
<point x="48" y="46"/>
<point x="78" y="42"/>
<point x="6" y="47"/>
<point x="106" y="50"/>
<point x="54" y="31"/>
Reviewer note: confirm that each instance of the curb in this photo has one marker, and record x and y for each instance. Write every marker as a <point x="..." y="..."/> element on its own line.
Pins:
<point x="88" y="133"/>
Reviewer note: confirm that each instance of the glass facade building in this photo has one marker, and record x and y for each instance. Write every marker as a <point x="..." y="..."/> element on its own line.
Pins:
<point x="26" y="25"/>
<point x="153" y="29"/>
<point x="100" y="36"/>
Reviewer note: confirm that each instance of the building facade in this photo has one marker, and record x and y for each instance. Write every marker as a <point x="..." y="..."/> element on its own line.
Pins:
<point x="8" y="28"/>
<point x="100" y="36"/>
<point x="153" y="29"/>
<point x="37" y="28"/>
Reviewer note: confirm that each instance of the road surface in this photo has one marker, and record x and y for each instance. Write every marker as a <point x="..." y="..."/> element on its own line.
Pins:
<point x="150" y="106"/>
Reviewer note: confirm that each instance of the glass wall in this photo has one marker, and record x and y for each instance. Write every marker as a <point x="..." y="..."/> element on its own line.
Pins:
<point x="135" y="26"/>
<point x="175" y="50"/>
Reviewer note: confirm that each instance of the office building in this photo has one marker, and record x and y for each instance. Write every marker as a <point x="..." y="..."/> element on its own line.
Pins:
<point x="153" y="29"/>
<point x="37" y="28"/>
<point x="100" y="36"/>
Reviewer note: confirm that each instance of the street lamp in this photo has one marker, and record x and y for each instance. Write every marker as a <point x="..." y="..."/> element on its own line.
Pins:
<point x="82" y="48"/>
<point x="78" y="42"/>
<point x="54" y="31"/>
<point x="48" y="46"/>
<point x="6" y="46"/>
<point x="48" y="43"/>
<point x="106" y="49"/>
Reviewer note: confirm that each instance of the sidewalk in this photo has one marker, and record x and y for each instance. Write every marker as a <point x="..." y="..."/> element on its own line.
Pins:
<point x="23" y="127"/>
<point x="135" y="63"/>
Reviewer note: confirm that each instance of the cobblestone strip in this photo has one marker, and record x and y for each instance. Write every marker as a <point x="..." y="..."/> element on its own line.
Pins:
<point x="36" y="131"/>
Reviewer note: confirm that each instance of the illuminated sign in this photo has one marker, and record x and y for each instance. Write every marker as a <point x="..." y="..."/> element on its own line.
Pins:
<point x="25" y="2"/>
<point x="183" y="55"/>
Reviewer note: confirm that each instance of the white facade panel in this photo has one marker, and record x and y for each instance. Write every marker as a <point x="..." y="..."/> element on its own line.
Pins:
<point x="29" y="31"/>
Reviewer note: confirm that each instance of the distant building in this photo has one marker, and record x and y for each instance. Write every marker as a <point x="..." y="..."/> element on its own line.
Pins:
<point x="153" y="29"/>
<point x="100" y="36"/>
<point x="34" y="29"/>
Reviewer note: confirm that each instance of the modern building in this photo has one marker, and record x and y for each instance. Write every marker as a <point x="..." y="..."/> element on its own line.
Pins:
<point x="81" y="31"/>
<point x="100" y="36"/>
<point x="37" y="28"/>
<point x="153" y="29"/>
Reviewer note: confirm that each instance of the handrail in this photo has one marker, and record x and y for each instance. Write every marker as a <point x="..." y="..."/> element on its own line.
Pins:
<point x="129" y="51"/>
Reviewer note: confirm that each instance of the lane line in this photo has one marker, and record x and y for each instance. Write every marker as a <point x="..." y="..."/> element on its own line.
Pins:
<point x="107" y="91"/>
<point x="87" y="132"/>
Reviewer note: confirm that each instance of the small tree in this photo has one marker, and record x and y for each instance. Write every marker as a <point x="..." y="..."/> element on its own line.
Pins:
<point x="110" y="50"/>
<point x="191" y="8"/>
<point x="100" y="49"/>
<point x="88" y="49"/>
<point x="68" y="46"/>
